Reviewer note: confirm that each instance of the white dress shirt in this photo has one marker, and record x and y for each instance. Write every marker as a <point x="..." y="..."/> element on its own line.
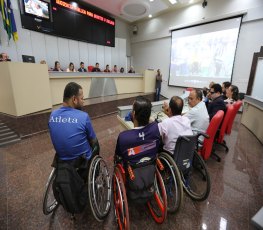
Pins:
<point x="199" y="117"/>
<point x="173" y="127"/>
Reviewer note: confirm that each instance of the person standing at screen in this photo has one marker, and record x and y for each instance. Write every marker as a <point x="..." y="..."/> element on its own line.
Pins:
<point x="158" y="84"/>
<point x="82" y="68"/>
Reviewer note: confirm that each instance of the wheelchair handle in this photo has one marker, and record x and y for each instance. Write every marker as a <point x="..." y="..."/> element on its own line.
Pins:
<point x="185" y="138"/>
<point x="203" y="134"/>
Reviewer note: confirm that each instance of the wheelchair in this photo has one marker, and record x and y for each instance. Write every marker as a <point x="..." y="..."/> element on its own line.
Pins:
<point x="98" y="183"/>
<point x="185" y="163"/>
<point x="157" y="204"/>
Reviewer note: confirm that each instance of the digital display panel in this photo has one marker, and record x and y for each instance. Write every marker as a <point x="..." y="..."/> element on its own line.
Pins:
<point x="68" y="19"/>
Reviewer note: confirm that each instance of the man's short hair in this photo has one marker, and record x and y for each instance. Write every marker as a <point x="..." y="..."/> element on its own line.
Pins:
<point x="176" y="104"/>
<point x="217" y="88"/>
<point x="226" y="84"/>
<point x="71" y="89"/>
<point x="199" y="94"/>
<point x="142" y="108"/>
<point x="82" y="63"/>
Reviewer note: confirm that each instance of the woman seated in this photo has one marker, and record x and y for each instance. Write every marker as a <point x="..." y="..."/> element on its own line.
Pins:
<point x="107" y="70"/>
<point x="57" y="67"/>
<point x="225" y="86"/>
<point x="121" y="70"/>
<point x="71" y="67"/>
<point x="131" y="70"/>
<point x="231" y="94"/>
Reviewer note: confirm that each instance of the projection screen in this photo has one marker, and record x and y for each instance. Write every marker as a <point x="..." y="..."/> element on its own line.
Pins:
<point x="204" y="53"/>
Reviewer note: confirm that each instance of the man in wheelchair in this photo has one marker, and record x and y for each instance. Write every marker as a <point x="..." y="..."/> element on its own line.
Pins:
<point x="137" y="150"/>
<point x="175" y="125"/>
<point x="75" y="142"/>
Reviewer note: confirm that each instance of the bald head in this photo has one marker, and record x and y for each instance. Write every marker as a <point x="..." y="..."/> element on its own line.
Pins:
<point x="176" y="105"/>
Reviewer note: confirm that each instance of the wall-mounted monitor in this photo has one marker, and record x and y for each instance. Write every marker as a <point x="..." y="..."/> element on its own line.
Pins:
<point x="37" y="8"/>
<point x="30" y="59"/>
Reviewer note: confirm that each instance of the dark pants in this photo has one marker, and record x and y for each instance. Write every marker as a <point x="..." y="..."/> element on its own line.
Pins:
<point x="157" y="94"/>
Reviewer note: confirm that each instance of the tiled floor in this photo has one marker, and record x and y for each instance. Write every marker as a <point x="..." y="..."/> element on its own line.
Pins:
<point x="236" y="193"/>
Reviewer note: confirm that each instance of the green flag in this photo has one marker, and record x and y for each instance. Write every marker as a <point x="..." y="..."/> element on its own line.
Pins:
<point x="8" y="19"/>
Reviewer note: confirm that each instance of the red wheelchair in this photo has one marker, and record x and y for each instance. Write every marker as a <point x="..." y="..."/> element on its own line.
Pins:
<point x="157" y="203"/>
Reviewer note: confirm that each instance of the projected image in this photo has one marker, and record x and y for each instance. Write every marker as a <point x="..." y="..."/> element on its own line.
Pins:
<point x="199" y="58"/>
<point x="37" y="7"/>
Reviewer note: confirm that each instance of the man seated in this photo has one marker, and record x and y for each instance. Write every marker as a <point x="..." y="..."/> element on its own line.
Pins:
<point x="96" y="68"/>
<point x="70" y="128"/>
<point x="4" y="57"/>
<point x="175" y="125"/>
<point x="217" y="102"/>
<point x="197" y="114"/>
<point x="137" y="148"/>
<point x="75" y="142"/>
<point x="82" y="68"/>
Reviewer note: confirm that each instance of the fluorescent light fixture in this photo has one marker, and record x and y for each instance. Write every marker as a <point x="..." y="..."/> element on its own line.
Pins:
<point x="150" y="16"/>
<point x="172" y="1"/>
<point x="151" y="0"/>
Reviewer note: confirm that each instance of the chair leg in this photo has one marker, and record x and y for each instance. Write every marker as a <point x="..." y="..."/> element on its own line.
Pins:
<point x="224" y="145"/>
<point x="218" y="158"/>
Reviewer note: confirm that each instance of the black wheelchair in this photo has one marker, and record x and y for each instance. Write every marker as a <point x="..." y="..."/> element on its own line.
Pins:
<point x="187" y="165"/>
<point x="157" y="204"/>
<point x="98" y="184"/>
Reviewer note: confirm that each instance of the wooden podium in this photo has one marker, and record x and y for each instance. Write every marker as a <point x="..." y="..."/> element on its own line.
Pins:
<point x="24" y="88"/>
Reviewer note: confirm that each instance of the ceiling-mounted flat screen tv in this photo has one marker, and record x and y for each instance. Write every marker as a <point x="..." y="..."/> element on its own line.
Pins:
<point x="37" y="8"/>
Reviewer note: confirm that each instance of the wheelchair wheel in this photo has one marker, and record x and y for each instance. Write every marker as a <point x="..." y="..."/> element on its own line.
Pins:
<point x="158" y="204"/>
<point x="172" y="181"/>
<point x="120" y="201"/>
<point x="99" y="188"/>
<point x="196" y="182"/>
<point x="49" y="201"/>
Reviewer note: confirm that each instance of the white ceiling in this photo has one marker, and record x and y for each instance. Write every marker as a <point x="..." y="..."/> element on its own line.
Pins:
<point x="134" y="10"/>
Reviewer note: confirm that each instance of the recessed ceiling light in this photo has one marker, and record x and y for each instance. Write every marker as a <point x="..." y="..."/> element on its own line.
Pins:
<point x="151" y="0"/>
<point x="191" y="1"/>
<point x="172" y="1"/>
<point x="150" y="16"/>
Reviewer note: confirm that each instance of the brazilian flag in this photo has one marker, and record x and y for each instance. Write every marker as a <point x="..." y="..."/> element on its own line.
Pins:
<point x="8" y="19"/>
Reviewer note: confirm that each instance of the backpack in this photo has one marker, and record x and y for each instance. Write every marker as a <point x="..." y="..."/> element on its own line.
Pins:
<point x="141" y="189"/>
<point x="69" y="188"/>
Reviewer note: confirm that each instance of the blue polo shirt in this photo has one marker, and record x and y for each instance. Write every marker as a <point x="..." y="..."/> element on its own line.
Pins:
<point x="70" y="129"/>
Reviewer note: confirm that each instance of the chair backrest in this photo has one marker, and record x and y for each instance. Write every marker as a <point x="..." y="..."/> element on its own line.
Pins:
<point x="90" y="68"/>
<point x="189" y="89"/>
<point x="222" y="130"/>
<point x="236" y="106"/>
<point x="211" y="131"/>
<point x="184" y="151"/>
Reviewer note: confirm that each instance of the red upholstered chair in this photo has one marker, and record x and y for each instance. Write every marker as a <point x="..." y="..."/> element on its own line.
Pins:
<point x="207" y="148"/>
<point x="222" y="130"/>
<point x="90" y="68"/>
<point x="236" y="106"/>
<point x="189" y="89"/>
